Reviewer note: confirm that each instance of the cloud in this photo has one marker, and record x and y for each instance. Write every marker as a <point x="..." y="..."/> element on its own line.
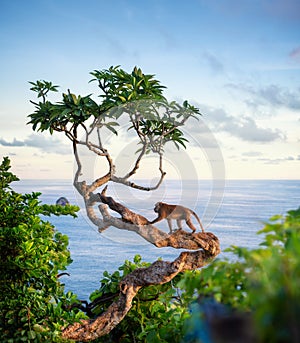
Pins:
<point x="279" y="96"/>
<point x="252" y="153"/>
<point x="273" y="95"/>
<point x="214" y="63"/>
<point x="246" y="129"/>
<point x="48" y="145"/>
<point x="295" y="54"/>
<point x="199" y="134"/>
<point x="243" y="127"/>
<point x="277" y="160"/>
<point x="14" y="143"/>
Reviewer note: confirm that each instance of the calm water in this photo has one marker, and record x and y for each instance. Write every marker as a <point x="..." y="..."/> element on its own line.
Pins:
<point x="234" y="213"/>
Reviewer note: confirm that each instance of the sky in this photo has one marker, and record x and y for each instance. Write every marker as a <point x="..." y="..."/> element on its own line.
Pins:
<point x="237" y="61"/>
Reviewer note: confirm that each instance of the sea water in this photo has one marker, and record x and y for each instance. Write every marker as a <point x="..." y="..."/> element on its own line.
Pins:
<point x="234" y="211"/>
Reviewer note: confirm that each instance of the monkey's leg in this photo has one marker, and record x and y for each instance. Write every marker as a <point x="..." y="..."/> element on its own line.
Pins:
<point x="158" y="219"/>
<point x="170" y="225"/>
<point x="190" y="225"/>
<point x="179" y="224"/>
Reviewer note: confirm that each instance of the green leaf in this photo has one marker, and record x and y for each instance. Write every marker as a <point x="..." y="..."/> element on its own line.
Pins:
<point x="110" y="128"/>
<point x="122" y="98"/>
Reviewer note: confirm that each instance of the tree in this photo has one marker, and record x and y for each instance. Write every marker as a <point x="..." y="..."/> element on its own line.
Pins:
<point x="138" y="99"/>
<point x="32" y="253"/>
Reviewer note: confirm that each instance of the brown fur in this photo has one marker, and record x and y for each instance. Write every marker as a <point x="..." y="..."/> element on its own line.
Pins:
<point x="175" y="212"/>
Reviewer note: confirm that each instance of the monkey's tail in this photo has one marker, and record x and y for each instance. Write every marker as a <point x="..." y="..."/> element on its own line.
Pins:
<point x="199" y="221"/>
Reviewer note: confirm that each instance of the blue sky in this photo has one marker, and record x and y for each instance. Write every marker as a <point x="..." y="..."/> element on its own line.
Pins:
<point x="238" y="61"/>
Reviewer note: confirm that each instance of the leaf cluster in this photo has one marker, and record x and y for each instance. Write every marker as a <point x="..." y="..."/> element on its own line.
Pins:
<point x="32" y="253"/>
<point x="136" y="95"/>
<point x="42" y="87"/>
<point x="119" y="87"/>
<point x="71" y="111"/>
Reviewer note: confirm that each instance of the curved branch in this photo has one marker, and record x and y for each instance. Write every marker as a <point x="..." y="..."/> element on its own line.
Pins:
<point x="78" y="185"/>
<point x="137" y="162"/>
<point x="124" y="181"/>
<point x="132" y="221"/>
<point x="159" y="272"/>
<point x="93" y="217"/>
<point x="102" y="180"/>
<point x="136" y="186"/>
<point x="205" y="245"/>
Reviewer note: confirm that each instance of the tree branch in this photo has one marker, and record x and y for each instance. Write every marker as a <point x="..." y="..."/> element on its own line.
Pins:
<point x="126" y="182"/>
<point x="134" y="222"/>
<point x="137" y="162"/>
<point x="158" y="273"/>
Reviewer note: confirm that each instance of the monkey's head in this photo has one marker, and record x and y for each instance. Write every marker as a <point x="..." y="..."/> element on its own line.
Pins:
<point x="157" y="207"/>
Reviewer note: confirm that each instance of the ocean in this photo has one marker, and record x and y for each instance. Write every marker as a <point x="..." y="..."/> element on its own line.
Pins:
<point x="234" y="211"/>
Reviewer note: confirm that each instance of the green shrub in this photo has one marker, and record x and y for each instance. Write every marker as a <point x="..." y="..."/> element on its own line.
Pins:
<point x="33" y="305"/>
<point x="263" y="282"/>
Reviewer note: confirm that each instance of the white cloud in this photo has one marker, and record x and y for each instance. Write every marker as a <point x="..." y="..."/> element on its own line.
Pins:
<point x="47" y="145"/>
<point x="277" y="160"/>
<point x="252" y="153"/>
<point x="247" y="129"/>
<point x="243" y="127"/>
<point x="271" y="95"/>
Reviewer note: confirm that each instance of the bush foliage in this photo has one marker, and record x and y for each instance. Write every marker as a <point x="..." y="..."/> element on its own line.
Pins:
<point x="263" y="282"/>
<point x="32" y="253"/>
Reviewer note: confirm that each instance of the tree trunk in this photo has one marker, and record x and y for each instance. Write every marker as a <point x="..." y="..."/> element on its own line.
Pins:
<point x="159" y="272"/>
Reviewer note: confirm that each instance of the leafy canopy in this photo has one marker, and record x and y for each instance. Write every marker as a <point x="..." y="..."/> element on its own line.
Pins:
<point x="135" y="94"/>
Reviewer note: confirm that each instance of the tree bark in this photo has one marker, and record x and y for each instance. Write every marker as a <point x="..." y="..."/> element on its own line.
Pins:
<point x="205" y="246"/>
<point x="159" y="272"/>
<point x="131" y="221"/>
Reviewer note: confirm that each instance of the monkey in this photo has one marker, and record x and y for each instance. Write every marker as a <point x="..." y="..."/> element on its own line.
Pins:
<point x="176" y="212"/>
